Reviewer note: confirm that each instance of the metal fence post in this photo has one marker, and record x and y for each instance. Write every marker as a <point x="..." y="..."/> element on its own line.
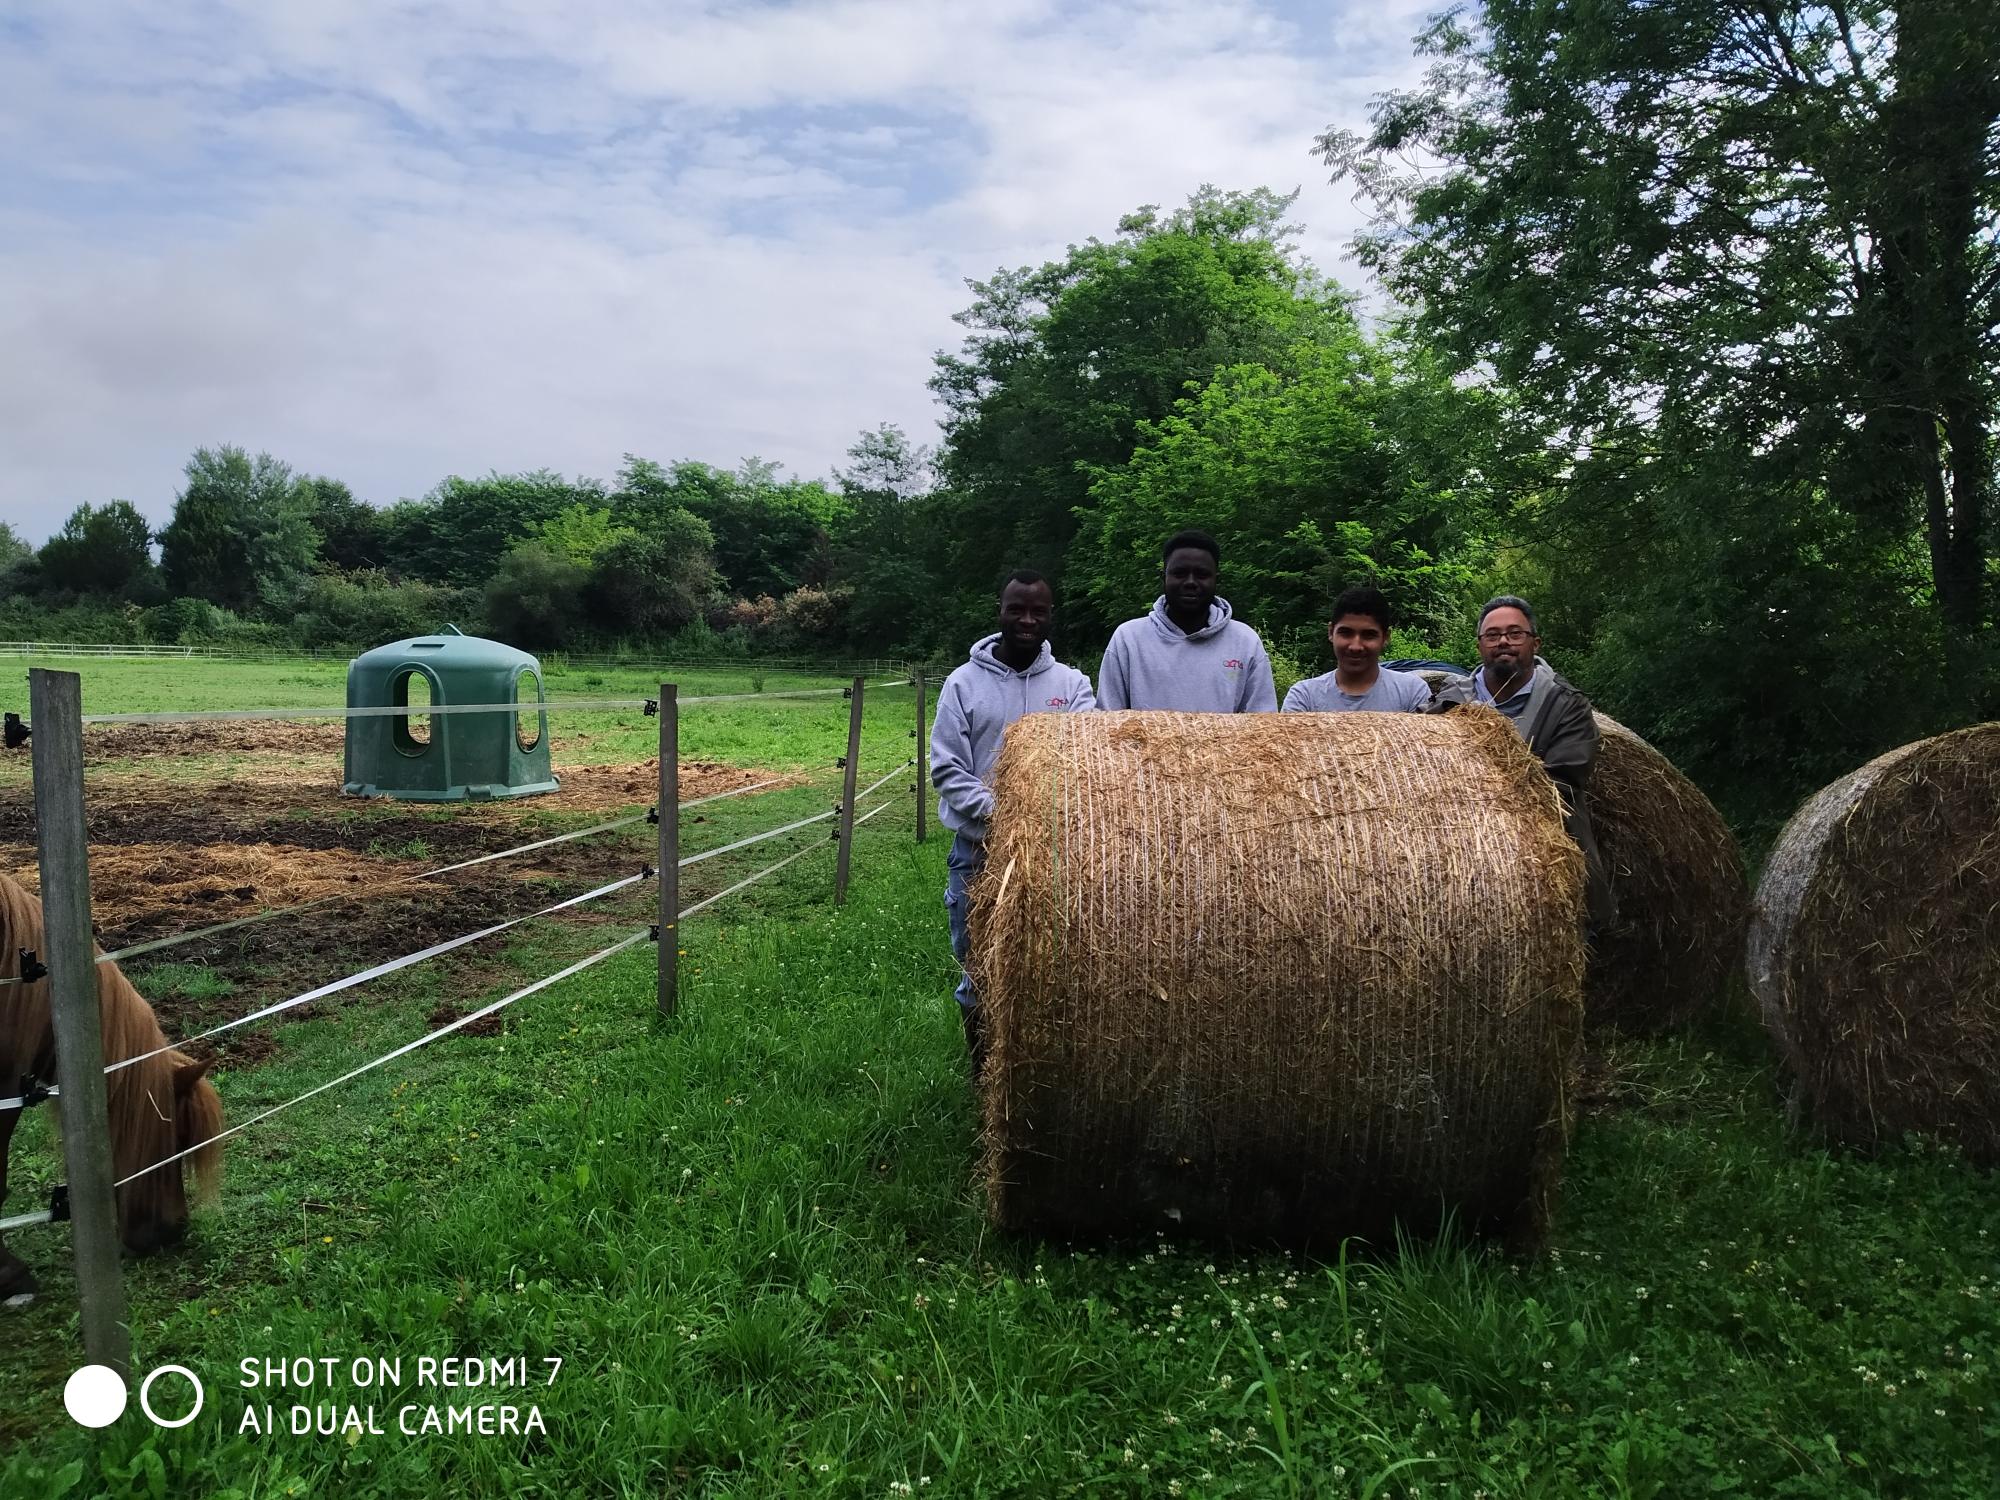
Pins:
<point x="853" y="763"/>
<point x="670" y="848"/>
<point x="70" y="952"/>
<point x="923" y="755"/>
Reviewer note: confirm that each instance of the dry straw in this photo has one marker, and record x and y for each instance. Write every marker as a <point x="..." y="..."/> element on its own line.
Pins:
<point x="1293" y="975"/>
<point x="1875" y="946"/>
<point x="1682" y="898"/>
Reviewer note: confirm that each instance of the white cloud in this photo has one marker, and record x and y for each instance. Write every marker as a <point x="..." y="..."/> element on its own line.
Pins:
<point x="393" y="243"/>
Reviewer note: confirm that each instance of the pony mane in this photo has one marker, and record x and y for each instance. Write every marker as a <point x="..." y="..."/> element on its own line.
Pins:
<point x="145" y="1102"/>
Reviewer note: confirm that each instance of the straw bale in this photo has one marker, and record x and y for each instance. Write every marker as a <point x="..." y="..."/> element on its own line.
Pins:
<point x="1682" y="898"/>
<point x="1292" y="975"/>
<point x="1874" y="948"/>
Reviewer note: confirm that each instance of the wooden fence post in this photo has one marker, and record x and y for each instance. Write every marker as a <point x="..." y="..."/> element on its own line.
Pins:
<point x="670" y="848"/>
<point x="70" y="952"/>
<point x="846" y="853"/>
<point x="923" y="756"/>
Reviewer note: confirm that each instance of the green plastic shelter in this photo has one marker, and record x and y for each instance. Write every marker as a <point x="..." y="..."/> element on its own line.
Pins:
<point x="450" y="757"/>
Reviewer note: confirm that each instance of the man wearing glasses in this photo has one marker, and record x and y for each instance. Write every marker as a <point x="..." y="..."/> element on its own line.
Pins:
<point x="1553" y="717"/>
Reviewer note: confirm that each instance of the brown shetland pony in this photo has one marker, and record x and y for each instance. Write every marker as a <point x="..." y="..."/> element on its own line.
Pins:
<point x="157" y="1107"/>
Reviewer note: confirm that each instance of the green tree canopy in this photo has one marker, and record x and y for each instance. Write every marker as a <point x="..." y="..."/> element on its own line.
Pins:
<point x="352" y="534"/>
<point x="460" y="530"/>
<point x="890" y="549"/>
<point x="241" y="534"/>
<point x="1062" y="364"/>
<point x="581" y="532"/>
<point x="1671" y="217"/>
<point x="769" y="533"/>
<point x="652" y="581"/>
<point x="102" y="549"/>
<point x="1360" y="464"/>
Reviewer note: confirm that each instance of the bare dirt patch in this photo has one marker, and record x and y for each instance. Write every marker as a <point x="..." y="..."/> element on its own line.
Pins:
<point x="212" y="882"/>
<point x="275" y="807"/>
<point x="171" y="855"/>
<point x="112" y="742"/>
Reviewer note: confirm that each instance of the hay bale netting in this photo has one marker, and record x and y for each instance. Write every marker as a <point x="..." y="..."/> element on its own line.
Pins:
<point x="1682" y="898"/>
<point x="1874" y="947"/>
<point x="1291" y="975"/>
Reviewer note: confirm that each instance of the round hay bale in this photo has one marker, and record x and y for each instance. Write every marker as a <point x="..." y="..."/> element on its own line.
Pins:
<point x="1682" y="898"/>
<point x="1874" y="947"/>
<point x="1276" y="975"/>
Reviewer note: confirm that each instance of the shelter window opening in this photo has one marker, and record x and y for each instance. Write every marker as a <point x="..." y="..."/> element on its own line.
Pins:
<point x="412" y="731"/>
<point x="528" y="709"/>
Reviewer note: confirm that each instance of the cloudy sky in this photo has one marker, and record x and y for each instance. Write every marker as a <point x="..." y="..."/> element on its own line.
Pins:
<point x="394" y="241"/>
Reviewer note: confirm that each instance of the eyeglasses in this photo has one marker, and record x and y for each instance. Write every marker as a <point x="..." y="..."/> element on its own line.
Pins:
<point x="1511" y="633"/>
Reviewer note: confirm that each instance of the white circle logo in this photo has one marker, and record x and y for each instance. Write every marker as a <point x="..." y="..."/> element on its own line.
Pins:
<point x="95" y="1396"/>
<point x="146" y="1387"/>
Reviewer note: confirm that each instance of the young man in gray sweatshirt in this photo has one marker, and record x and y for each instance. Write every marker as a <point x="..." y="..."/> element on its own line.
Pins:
<point x="1357" y="632"/>
<point x="1190" y="652"/>
<point x="1009" y="673"/>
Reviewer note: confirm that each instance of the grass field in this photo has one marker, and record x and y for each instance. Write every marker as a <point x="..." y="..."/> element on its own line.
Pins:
<point x="753" y="1239"/>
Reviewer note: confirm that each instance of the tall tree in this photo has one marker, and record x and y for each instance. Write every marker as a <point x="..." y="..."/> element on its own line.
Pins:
<point x="460" y="530"/>
<point x="887" y="550"/>
<point x="106" y="550"/>
<point x="352" y="533"/>
<point x="1063" y="363"/>
<point x="769" y="533"/>
<point x="1362" y="463"/>
<point x="241" y="535"/>
<point x="1776" y="225"/>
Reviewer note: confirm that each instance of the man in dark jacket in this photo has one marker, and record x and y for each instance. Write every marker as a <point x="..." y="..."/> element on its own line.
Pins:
<point x="1553" y="717"/>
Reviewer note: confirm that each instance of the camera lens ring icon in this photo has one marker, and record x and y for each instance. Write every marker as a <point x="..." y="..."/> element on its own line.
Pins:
<point x="146" y="1387"/>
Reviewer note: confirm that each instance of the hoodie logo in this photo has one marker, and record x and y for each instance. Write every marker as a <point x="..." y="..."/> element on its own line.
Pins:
<point x="1058" y="703"/>
<point x="1234" y="664"/>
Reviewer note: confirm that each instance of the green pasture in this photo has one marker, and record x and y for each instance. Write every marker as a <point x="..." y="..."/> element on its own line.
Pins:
<point x="753" y="1237"/>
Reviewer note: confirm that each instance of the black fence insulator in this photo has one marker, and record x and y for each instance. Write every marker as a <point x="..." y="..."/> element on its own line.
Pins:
<point x="653" y="816"/>
<point x="652" y="708"/>
<point x="655" y="932"/>
<point x="647" y="872"/>
<point x="59" y="1203"/>
<point x="840" y="763"/>
<point x="33" y="1091"/>
<point x="16" y="732"/>
<point x="32" y="968"/>
<point x="913" y="734"/>
<point x="847" y="692"/>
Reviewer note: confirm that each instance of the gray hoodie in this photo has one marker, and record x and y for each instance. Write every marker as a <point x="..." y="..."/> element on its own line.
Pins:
<point x="977" y="704"/>
<point x="1220" y="669"/>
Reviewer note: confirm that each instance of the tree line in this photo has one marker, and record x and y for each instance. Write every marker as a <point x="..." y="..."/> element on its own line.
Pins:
<point x="1694" y="343"/>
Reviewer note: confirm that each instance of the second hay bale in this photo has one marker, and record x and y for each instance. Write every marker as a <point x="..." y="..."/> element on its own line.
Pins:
<point x="1682" y="898"/>
<point x="1294" y="975"/>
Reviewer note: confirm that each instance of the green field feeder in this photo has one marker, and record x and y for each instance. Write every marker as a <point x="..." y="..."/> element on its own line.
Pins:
<point x="450" y="757"/>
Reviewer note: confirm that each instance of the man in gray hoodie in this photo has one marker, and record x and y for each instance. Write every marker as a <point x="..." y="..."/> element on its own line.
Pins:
<point x="1010" y="673"/>
<point x="1189" y="652"/>
<point x="1553" y="717"/>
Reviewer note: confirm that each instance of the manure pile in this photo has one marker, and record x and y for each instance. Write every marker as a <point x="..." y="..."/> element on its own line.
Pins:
<point x="1276" y="974"/>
